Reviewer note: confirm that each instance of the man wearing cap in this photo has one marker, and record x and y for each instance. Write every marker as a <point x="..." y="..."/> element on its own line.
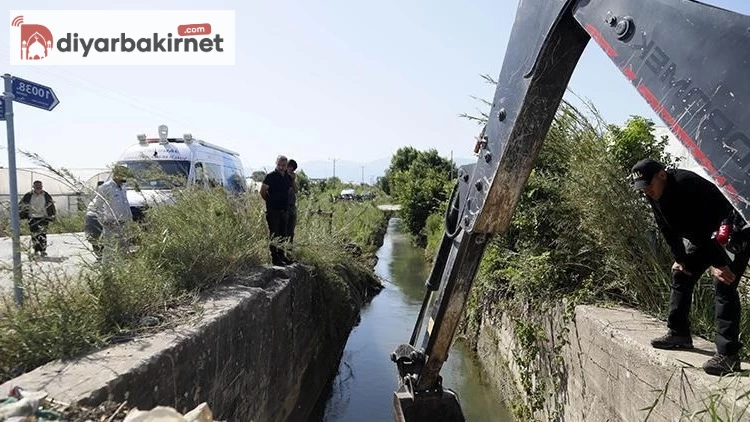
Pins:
<point x="689" y="207"/>
<point x="92" y="228"/>
<point x="113" y="212"/>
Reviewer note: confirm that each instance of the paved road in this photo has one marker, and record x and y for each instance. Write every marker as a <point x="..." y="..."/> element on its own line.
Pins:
<point x="66" y="253"/>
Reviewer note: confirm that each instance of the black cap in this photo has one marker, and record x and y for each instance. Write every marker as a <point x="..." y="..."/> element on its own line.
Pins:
<point x="643" y="171"/>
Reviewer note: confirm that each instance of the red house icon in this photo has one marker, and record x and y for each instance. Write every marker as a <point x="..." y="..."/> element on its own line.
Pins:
<point x="36" y="42"/>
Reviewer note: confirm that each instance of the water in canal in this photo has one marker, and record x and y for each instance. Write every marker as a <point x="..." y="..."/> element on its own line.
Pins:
<point x="364" y="385"/>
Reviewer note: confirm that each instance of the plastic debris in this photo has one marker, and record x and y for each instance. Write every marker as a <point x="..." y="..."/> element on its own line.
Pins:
<point x="23" y="408"/>
<point x="23" y="405"/>
<point x="202" y="413"/>
<point x="26" y="405"/>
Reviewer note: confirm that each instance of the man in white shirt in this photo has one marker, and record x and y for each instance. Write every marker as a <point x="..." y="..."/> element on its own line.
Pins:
<point x="113" y="210"/>
<point x="38" y="207"/>
<point x="92" y="228"/>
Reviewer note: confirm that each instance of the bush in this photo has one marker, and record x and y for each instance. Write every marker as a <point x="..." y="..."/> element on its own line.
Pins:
<point x="420" y="181"/>
<point x="207" y="237"/>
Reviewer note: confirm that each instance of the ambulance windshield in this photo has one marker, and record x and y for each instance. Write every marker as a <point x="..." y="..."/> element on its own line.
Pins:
<point x="157" y="174"/>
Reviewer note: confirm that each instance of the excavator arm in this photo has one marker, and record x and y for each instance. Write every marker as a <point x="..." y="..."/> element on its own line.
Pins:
<point x="688" y="60"/>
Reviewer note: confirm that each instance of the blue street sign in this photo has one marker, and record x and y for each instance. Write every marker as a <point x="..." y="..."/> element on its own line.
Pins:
<point x="2" y="107"/>
<point x="33" y="94"/>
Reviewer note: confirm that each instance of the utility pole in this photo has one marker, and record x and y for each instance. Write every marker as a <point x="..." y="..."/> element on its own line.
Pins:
<point x="334" y="166"/>
<point x="363" y="175"/>
<point x="452" y="165"/>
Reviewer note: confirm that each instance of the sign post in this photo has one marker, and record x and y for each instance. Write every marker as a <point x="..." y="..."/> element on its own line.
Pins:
<point x="15" y="222"/>
<point x="35" y="95"/>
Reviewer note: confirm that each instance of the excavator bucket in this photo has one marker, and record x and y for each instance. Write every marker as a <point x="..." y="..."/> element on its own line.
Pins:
<point x="439" y="406"/>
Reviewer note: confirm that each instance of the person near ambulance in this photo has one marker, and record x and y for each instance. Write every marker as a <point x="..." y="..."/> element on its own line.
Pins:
<point x="688" y="207"/>
<point x="38" y="207"/>
<point x="91" y="226"/>
<point x="112" y="210"/>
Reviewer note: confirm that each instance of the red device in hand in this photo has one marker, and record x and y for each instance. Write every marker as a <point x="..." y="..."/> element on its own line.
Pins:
<point x="724" y="231"/>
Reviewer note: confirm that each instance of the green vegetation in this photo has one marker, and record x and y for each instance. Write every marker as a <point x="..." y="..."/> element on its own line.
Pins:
<point x="634" y="141"/>
<point x="579" y="228"/>
<point x="579" y="235"/>
<point x="421" y="182"/>
<point x="207" y="238"/>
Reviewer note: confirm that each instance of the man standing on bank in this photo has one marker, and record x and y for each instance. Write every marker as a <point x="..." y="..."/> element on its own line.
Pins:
<point x="687" y="206"/>
<point x="275" y="191"/>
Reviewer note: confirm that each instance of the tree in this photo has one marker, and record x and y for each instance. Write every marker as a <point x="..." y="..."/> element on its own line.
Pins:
<point x="636" y="141"/>
<point x="420" y="181"/>
<point x="432" y="159"/>
<point x="383" y="183"/>
<point x="422" y="190"/>
<point x="402" y="159"/>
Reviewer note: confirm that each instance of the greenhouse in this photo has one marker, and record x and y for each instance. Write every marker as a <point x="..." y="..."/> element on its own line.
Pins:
<point x="70" y="190"/>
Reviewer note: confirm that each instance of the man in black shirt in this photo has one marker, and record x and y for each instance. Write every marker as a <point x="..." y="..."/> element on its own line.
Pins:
<point x="687" y="206"/>
<point x="275" y="191"/>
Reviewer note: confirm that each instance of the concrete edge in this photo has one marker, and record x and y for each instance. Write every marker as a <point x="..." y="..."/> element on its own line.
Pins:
<point x="88" y="379"/>
<point x="610" y="371"/>
<point x="634" y="330"/>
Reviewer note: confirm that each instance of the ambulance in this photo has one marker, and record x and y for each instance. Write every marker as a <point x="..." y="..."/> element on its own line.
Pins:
<point x="160" y="165"/>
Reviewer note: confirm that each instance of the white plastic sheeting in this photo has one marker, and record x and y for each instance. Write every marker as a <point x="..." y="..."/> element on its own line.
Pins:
<point x="70" y="192"/>
<point x="79" y="180"/>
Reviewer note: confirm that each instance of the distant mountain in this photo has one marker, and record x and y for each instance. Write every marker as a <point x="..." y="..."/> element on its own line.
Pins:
<point x="351" y="171"/>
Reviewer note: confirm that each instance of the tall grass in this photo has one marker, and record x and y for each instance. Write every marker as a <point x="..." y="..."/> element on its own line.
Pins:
<point x="612" y="231"/>
<point x="579" y="229"/>
<point x="205" y="238"/>
<point x="358" y="222"/>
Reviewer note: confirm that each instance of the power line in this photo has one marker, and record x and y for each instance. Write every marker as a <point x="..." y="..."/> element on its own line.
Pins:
<point x="136" y="103"/>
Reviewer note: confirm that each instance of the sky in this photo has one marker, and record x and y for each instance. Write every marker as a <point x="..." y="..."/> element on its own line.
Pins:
<point x="315" y="80"/>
